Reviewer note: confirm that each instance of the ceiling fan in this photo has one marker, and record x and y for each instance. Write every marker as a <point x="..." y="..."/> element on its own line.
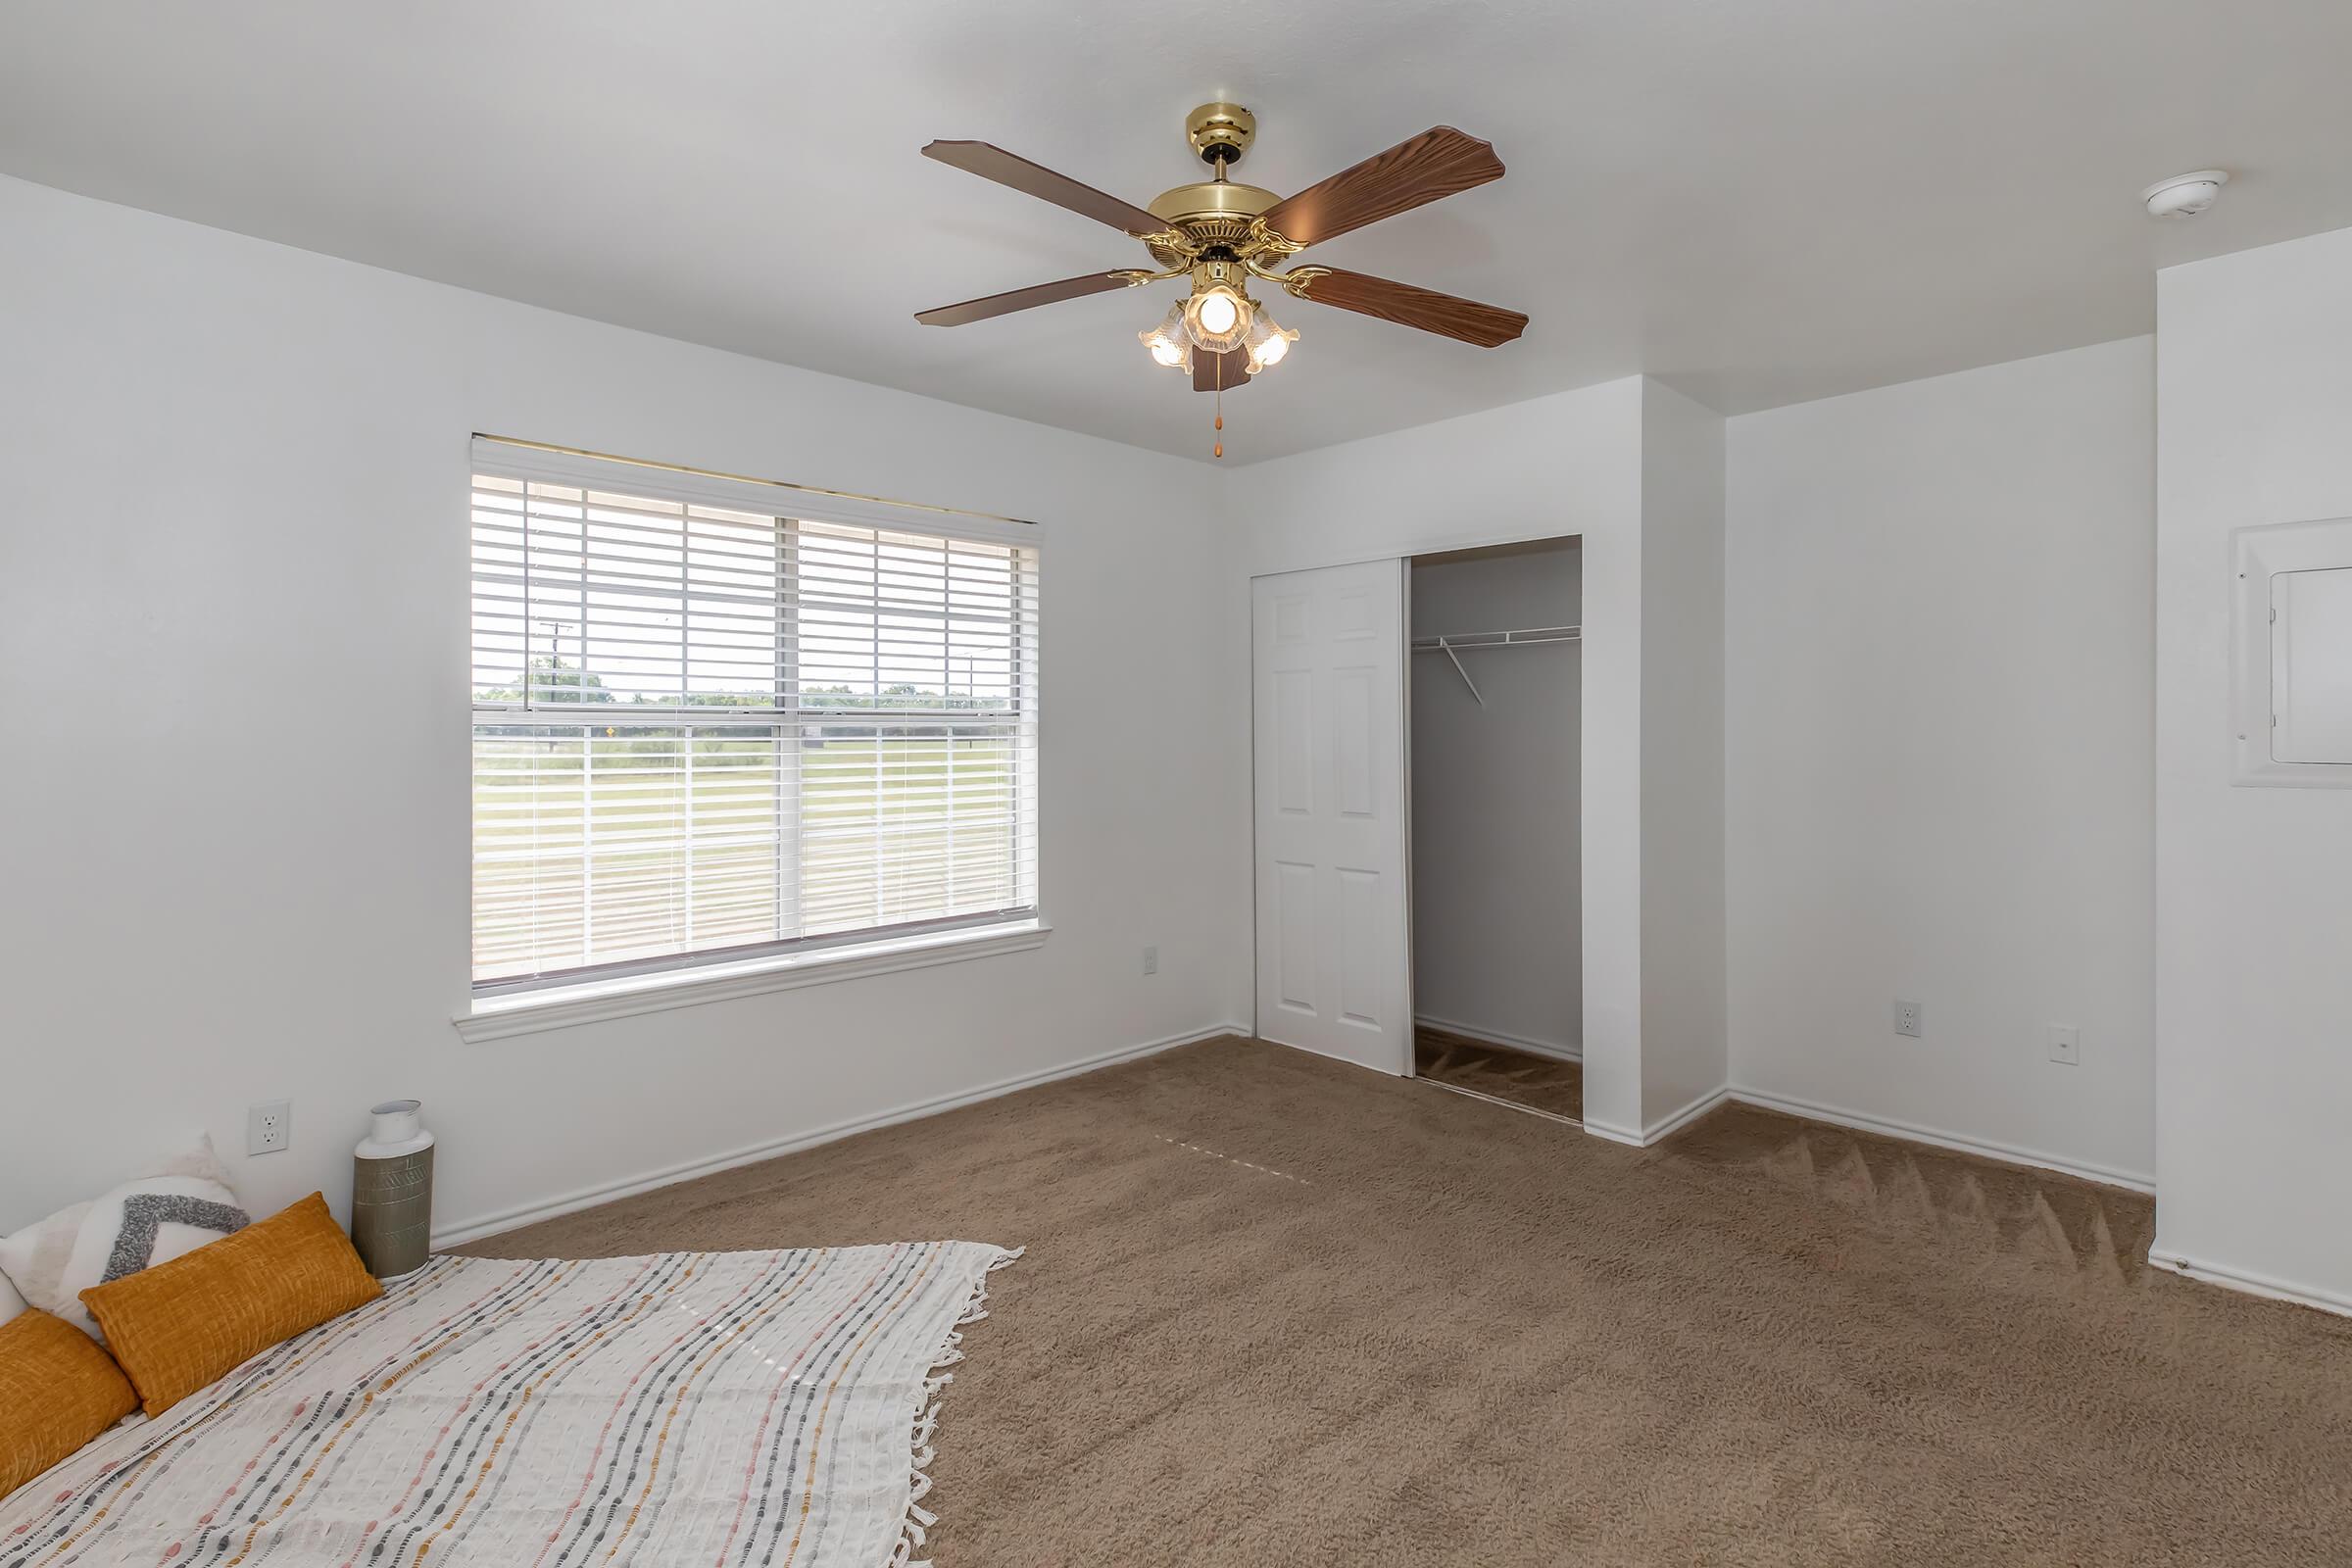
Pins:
<point x="1221" y="234"/>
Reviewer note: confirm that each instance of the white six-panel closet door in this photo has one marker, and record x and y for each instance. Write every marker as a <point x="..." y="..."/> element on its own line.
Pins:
<point x="1334" y="975"/>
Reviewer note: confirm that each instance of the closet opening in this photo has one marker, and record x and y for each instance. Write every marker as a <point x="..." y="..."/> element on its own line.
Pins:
<point x="1493" y="757"/>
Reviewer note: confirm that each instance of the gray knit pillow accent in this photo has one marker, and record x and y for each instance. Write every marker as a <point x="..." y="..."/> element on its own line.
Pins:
<point x="145" y="1213"/>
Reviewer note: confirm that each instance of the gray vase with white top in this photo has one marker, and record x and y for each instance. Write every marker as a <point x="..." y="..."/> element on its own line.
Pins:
<point x="392" y="1192"/>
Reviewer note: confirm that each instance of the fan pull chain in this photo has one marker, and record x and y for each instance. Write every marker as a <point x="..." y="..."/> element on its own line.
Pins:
<point x="1219" y="450"/>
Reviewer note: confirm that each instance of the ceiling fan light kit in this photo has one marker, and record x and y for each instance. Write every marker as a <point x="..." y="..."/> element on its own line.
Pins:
<point x="1219" y="235"/>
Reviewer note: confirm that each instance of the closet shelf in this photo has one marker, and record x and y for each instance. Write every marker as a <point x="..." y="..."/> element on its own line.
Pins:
<point x="1523" y="637"/>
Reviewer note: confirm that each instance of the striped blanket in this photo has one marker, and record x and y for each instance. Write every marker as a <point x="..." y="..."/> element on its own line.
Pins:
<point x="718" y="1408"/>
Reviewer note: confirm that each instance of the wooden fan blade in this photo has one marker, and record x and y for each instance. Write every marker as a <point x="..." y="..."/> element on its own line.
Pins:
<point x="1412" y="173"/>
<point x="1487" y="325"/>
<point x="1207" y="375"/>
<point x="1035" y="179"/>
<point x="1021" y="299"/>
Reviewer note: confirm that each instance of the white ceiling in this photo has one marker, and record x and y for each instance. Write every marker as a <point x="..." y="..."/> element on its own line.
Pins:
<point x="1759" y="203"/>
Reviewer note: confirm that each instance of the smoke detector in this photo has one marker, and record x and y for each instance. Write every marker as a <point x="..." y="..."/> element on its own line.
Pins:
<point x="2184" y="195"/>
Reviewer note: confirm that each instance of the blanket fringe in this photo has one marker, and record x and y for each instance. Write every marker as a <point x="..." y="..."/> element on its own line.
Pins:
<point x="914" y="1530"/>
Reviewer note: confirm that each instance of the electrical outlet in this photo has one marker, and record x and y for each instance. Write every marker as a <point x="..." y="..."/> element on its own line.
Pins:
<point x="2066" y="1045"/>
<point x="1906" y="1019"/>
<point x="1150" y="960"/>
<point x="269" y="1127"/>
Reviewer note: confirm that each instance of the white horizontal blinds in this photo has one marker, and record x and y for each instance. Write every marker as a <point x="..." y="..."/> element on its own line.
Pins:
<point x="701" y="730"/>
<point x="921" y="653"/>
<point x="619" y="842"/>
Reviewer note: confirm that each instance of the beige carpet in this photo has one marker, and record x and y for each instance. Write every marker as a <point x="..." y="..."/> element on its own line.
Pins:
<point x="1277" y="1310"/>
<point x="1543" y="1083"/>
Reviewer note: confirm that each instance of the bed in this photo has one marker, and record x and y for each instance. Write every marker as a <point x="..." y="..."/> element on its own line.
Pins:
<point x="722" y="1408"/>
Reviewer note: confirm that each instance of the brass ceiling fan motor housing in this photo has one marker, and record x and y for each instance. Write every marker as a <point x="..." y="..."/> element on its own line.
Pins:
<point x="1213" y="211"/>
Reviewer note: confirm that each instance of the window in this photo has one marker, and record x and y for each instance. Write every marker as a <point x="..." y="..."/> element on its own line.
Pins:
<point x="704" y="731"/>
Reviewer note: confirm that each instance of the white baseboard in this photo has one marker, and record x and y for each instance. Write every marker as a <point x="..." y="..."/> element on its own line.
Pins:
<point x="1889" y="1127"/>
<point x="1666" y="1126"/>
<point x="507" y="1219"/>
<point x="2211" y="1273"/>
<point x="1495" y="1037"/>
<point x="2278" y="1289"/>
<point x="1675" y="1121"/>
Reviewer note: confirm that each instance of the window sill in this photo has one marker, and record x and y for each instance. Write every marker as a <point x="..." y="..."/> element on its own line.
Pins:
<point x="593" y="1002"/>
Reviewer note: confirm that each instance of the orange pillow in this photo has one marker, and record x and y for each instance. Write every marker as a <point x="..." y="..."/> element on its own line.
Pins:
<point x="58" y="1389"/>
<point x="181" y="1325"/>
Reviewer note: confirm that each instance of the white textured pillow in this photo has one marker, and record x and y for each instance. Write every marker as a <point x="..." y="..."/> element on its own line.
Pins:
<point x="180" y="1204"/>
<point x="11" y="1304"/>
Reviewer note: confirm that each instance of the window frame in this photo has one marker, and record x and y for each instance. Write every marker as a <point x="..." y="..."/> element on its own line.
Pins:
<point x="605" y="989"/>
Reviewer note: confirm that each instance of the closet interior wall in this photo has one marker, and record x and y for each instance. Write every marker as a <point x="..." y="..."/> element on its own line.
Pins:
<point x="1496" y="867"/>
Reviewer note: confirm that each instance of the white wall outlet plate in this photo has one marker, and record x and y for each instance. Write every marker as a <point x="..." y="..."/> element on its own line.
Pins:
<point x="1150" y="960"/>
<point x="2066" y="1045"/>
<point x="1906" y="1019"/>
<point x="269" y="1127"/>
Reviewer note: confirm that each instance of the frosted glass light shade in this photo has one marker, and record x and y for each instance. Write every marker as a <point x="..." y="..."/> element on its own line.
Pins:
<point x="1268" y="341"/>
<point x="1167" y="342"/>
<point x="1217" y="320"/>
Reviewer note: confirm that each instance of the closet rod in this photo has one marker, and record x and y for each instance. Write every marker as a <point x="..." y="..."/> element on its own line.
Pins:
<point x="1521" y="638"/>
<point x="1499" y="639"/>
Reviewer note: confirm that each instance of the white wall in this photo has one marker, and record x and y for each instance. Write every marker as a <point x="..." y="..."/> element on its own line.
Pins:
<point x="1938" y="734"/>
<point x="2254" y="886"/>
<point x="1497" y="894"/>
<point x="232" y="660"/>
<point x="1685" y="1049"/>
